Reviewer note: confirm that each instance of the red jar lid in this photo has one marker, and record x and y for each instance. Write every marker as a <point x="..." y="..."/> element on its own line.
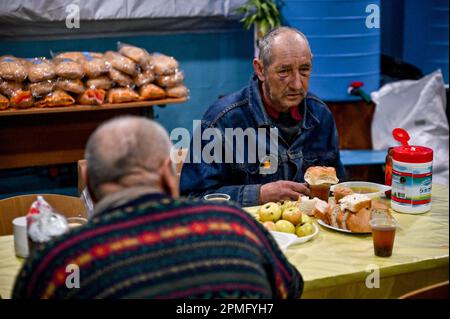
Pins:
<point x="413" y="154"/>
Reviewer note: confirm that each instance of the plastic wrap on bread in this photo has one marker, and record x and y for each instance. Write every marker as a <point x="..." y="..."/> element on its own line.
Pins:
<point x="151" y="92"/>
<point x="121" y="95"/>
<point x="40" y="89"/>
<point x="68" y="69"/>
<point x="12" y="69"/>
<point x="92" y="97"/>
<point x="121" y="63"/>
<point x="4" y="102"/>
<point x="54" y="99"/>
<point x="40" y="69"/>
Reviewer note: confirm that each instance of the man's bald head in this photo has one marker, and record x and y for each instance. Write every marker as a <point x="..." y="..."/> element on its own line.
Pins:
<point x="123" y="147"/>
<point x="279" y="36"/>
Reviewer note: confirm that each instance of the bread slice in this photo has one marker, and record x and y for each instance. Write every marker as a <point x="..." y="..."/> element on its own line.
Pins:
<point x="307" y="205"/>
<point x="320" y="210"/>
<point x="359" y="222"/>
<point x="355" y="202"/>
<point x="333" y="216"/>
<point x="341" y="191"/>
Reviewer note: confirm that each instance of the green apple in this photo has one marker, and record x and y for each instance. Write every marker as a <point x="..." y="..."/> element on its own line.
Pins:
<point x="293" y="215"/>
<point x="285" y="204"/>
<point x="269" y="225"/>
<point x="304" y="230"/>
<point x="306" y="219"/>
<point x="269" y="212"/>
<point x="285" y="226"/>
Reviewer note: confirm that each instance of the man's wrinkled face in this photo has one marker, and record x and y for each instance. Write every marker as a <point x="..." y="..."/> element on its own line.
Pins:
<point x="285" y="81"/>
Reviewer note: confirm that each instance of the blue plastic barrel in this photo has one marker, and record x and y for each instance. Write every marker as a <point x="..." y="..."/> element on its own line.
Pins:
<point x="345" y="50"/>
<point x="426" y="35"/>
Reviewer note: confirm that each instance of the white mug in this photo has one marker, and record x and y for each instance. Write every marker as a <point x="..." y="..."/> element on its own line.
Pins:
<point x="20" y="236"/>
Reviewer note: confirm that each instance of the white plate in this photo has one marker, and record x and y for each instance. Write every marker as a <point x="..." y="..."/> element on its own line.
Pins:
<point x="322" y="223"/>
<point x="284" y="240"/>
<point x="381" y="189"/>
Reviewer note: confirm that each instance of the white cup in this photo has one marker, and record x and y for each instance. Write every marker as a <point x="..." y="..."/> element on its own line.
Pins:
<point x="20" y="236"/>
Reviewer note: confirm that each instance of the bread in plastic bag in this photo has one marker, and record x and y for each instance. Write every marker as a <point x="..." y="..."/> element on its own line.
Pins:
<point x="151" y="92"/>
<point x="138" y="55"/>
<point x="39" y="89"/>
<point x="74" y="86"/>
<point x="21" y="99"/>
<point x="121" y="63"/>
<point x="121" y="95"/>
<point x="12" y="69"/>
<point x="102" y="82"/>
<point x="120" y="78"/>
<point x="177" y="91"/>
<point x="144" y="77"/>
<point x="92" y="97"/>
<point x="9" y="87"/>
<point x="4" y="102"/>
<point x="163" y="64"/>
<point x="40" y="70"/>
<point x="171" y="80"/>
<point x="76" y="55"/>
<point x="68" y="69"/>
<point x="56" y="98"/>
<point x="44" y="223"/>
<point x="93" y="67"/>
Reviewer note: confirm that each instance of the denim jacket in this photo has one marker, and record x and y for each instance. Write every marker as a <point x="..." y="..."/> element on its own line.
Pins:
<point x="315" y="145"/>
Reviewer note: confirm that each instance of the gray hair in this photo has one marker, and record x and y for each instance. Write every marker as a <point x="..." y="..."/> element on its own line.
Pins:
<point x="265" y="44"/>
<point x="122" y="146"/>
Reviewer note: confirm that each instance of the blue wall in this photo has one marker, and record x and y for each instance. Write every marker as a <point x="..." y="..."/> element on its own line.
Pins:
<point x="214" y="64"/>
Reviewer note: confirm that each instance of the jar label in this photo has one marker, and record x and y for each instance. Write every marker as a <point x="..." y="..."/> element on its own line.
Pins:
<point x="411" y="186"/>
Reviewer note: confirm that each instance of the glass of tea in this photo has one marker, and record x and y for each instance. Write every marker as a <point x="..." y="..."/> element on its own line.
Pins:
<point x="321" y="191"/>
<point x="383" y="235"/>
<point x="217" y="197"/>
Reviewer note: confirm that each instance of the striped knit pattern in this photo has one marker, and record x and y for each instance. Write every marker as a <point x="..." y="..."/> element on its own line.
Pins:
<point x="157" y="247"/>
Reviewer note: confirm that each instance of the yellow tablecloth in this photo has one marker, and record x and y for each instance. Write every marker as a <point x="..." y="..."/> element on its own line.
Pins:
<point x="336" y="265"/>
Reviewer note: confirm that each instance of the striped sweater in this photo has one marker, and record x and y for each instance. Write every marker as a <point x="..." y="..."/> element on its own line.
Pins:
<point x="157" y="247"/>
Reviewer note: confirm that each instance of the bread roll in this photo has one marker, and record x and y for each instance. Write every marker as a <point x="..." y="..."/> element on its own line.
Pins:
<point x="177" y="91"/>
<point x="163" y="64"/>
<point x="171" y="80"/>
<point x="74" y="86"/>
<point x="68" y="69"/>
<point x="39" y="89"/>
<point x="151" y="92"/>
<point x="321" y="210"/>
<point x="21" y="99"/>
<point x="341" y="191"/>
<point x="9" y="87"/>
<point x="144" y="78"/>
<point x="317" y="175"/>
<point x="56" y="98"/>
<point x="102" y="82"/>
<point x="40" y="70"/>
<point x="92" y="97"/>
<point x="12" y="69"/>
<point x="138" y="55"/>
<point x="121" y="95"/>
<point x="4" y="102"/>
<point x="307" y="205"/>
<point x="120" y="78"/>
<point x="121" y="63"/>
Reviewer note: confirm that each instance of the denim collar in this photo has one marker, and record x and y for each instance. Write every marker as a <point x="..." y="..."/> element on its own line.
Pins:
<point x="263" y="119"/>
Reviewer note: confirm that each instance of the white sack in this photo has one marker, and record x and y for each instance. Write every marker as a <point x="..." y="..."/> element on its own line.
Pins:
<point x="419" y="107"/>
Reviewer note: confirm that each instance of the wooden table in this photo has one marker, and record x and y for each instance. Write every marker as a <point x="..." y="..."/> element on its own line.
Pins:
<point x="48" y="136"/>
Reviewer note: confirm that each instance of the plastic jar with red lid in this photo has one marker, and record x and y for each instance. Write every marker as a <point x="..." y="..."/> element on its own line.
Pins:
<point x="412" y="172"/>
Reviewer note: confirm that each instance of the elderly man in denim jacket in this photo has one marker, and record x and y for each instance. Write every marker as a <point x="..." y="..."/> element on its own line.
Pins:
<point x="256" y="144"/>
